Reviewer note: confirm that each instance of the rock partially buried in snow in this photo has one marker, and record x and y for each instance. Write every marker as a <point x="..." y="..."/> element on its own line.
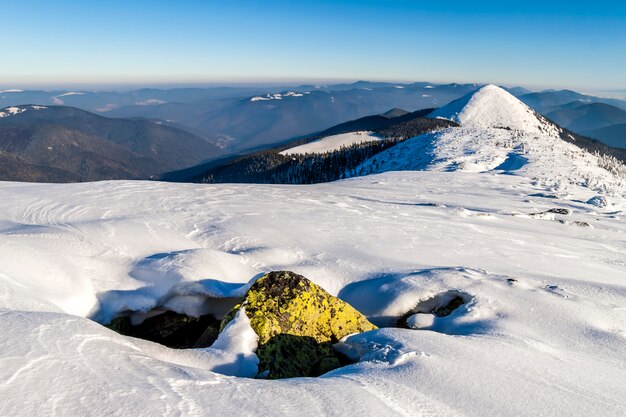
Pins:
<point x="171" y="329"/>
<point x="297" y="323"/>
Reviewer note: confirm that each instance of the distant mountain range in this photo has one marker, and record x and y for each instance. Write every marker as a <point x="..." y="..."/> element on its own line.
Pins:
<point x="370" y="142"/>
<point x="61" y="144"/>
<point x="550" y="100"/>
<point x="251" y="117"/>
<point x="581" y="117"/>
<point x="275" y="166"/>
<point x="149" y="132"/>
<point x="598" y="117"/>
<point x="614" y="135"/>
<point x="244" y="118"/>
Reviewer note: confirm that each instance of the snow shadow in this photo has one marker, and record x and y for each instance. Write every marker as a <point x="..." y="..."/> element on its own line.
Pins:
<point x="431" y="299"/>
<point x="513" y="162"/>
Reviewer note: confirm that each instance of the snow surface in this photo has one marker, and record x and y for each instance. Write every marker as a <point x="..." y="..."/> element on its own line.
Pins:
<point x="150" y="102"/>
<point x="333" y="143"/>
<point x="551" y="343"/>
<point x="279" y="96"/>
<point x="542" y="330"/>
<point x="493" y="107"/>
<point x="14" y="110"/>
<point x="71" y="93"/>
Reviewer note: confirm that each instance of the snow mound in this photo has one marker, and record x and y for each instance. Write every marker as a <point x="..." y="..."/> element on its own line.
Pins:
<point x="493" y="107"/>
<point x="333" y="143"/>
<point x="234" y="350"/>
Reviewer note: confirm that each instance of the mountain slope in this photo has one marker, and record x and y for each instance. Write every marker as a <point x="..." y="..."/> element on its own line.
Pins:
<point x="550" y="100"/>
<point x="499" y="133"/>
<point x="492" y="107"/>
<point x="581" y="117"/>
<point x="90" y="147"/>
<point x="313" y="159"/>
<point x="259" y="121"/>
<point x="612" y="135"/>
<point x="17" y="169"/>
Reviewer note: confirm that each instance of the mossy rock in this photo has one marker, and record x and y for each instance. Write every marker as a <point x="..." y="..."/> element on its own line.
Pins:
<point x="297" y="323"/>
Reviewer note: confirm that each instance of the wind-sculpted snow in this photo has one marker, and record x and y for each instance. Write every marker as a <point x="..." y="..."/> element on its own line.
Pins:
<point x="541" y="332"/>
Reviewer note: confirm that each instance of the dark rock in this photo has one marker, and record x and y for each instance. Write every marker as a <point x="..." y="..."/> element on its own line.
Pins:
<point x="441" y="305"/>
<point x="563" y="211"/>
<point x="171" y="329"/>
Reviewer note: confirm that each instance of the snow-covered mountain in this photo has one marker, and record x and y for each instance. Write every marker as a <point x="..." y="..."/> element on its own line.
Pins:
<point x="525" y="227"/>
<point x="493" y="107"/>
<point x="499" y="133"/>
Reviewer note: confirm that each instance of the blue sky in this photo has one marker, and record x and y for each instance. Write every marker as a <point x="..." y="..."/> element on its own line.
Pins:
<point x="561" y="44"/>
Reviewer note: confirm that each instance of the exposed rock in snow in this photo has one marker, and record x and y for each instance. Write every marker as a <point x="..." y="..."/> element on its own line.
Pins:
<point x="297" y="322"/>
<point x="170" y="329"/>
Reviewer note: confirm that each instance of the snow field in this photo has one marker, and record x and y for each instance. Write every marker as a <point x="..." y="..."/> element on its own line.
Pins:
<point x="333" y="143"/>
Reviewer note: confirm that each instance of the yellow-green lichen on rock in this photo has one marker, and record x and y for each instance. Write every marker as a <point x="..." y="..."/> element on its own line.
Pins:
<point x="297" y="323"/>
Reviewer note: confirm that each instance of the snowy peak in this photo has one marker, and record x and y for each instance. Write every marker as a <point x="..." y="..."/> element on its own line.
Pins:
<point x="493" y="107"/>
<point x="500" y="134"/>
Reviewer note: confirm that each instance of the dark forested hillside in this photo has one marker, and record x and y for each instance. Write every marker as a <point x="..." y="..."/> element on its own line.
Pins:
<point x="74" y="145"/>
<point x="593" y="145"/>
<point x="273" y="168"/>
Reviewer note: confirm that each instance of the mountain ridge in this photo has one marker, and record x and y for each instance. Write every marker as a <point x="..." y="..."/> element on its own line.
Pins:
<point x="499" y="133"/>
<point x="90" y="147"/>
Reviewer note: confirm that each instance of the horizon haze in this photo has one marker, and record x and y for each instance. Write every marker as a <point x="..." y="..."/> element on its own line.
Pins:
<point x="156" y="43"/>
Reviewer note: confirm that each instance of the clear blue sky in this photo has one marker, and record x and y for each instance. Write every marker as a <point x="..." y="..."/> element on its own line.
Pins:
<point x="534" y="43"/>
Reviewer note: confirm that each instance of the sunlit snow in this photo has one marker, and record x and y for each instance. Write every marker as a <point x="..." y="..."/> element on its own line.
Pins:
<point x="527" y="229"/>
<point x="333" y="143"/>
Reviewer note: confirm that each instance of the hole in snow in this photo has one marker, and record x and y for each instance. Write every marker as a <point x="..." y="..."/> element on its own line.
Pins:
<point x="441" y="305"/>
<point x="169" y="328"/>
